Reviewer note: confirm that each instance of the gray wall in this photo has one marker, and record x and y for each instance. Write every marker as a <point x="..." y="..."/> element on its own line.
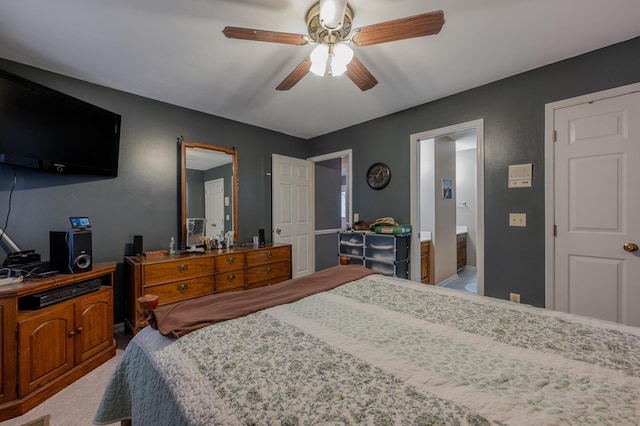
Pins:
<point x="328" y="181"/>
<point x="194" y="187"/>
<point x="513" y="113"/>
<point x="143" y="199"/>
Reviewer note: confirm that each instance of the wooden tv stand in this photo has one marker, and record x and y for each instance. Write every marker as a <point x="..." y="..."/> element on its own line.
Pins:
<point x="46" y="349"/>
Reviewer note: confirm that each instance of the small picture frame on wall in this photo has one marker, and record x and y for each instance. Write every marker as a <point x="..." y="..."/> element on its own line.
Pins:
<point x="447" y="189"/>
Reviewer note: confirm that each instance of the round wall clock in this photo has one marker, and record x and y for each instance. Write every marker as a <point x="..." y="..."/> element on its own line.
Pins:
<point x="378" y="175"/>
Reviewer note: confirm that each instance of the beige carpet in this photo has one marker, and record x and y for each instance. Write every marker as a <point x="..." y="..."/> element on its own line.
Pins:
<point x="76" y="404"/>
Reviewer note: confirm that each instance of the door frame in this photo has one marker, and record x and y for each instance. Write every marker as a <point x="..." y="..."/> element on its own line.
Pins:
<point x="549" y="177"/>
<point x="414" y="191"/>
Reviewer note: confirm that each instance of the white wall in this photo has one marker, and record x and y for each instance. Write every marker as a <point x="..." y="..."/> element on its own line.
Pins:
<point x="438" y="215"/>
<point x="444" y="235"/>
<point x="427" y="186"/>
<point x="466" y="192"/>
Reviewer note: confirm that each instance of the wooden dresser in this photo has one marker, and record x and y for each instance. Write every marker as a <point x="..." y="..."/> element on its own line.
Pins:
<point x="186" y="276"/>
<point x="51" y="340"/>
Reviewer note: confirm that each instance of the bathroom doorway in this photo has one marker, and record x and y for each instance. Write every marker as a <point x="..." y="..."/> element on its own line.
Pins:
<point x="442" y="158"/>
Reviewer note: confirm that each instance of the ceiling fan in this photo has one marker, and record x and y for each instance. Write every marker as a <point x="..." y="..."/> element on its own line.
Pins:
<point x="329" y="27"/>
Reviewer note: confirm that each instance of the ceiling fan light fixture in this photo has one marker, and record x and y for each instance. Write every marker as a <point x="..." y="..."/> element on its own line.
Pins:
<point x="341" y="55"/>
<point x="332" y="13"/>
<point x="319" y="57"/>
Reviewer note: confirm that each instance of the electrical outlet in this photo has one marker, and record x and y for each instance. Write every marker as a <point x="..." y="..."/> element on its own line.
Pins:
<point x="514" y="297"/>
<point x="356" y="217"/>
<point x="517" y="219"/>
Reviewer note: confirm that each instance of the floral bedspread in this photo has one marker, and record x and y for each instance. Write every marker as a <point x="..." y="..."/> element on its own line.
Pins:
<point x="383" y="351"/>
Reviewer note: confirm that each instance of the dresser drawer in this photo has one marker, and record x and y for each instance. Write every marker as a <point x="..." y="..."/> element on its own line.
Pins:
<point x="230" y="281"/>
<point x="229" y="262"/>
<point x="183" y="269"/>
<point x="267" y="272"/>
<point x="268" y="282"/>
<point x="267" y="255"/>
<point x="181" y="290"/>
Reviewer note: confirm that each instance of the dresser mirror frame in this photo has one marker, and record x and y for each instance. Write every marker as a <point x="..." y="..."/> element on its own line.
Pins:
<point x="189" y="151"/>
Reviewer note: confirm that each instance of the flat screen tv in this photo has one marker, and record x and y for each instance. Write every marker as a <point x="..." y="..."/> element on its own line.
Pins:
<point x="48" y="130"/>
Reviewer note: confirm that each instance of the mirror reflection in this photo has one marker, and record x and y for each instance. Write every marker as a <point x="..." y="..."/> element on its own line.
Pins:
<point x="209" y="192"/>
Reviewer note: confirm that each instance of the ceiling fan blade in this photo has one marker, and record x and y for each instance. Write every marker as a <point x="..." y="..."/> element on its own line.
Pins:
<point x="360" y="75"/>
<point x="399" y="29"/>
<point x="296" y="75"/>
<point x="261" y="35"/>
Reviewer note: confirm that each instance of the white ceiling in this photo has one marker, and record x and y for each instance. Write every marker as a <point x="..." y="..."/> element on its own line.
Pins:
<point x="174" y="51"/>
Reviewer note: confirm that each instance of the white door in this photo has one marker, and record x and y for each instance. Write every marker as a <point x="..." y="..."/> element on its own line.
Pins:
<point x="292" y="203"/>
<point x="214" y="207"/>
<point x="597" y="209"/>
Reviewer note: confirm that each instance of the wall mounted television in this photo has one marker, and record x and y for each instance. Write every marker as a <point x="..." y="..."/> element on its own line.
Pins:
<point x="44" y="129"/>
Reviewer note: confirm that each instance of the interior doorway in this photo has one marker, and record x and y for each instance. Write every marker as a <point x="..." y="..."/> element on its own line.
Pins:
<point x="333" y="206"/>
<point x="434" y="212"/>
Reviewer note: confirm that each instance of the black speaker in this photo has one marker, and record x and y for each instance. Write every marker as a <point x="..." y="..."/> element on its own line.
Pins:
<point x="70" y="252"/>
<point x="137" y="245"/>
<point x="261" y="236"/>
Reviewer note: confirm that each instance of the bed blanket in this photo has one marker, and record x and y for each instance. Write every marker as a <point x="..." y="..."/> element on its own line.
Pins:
<point x="383" y="351"/>
<point x="178" y="319"/>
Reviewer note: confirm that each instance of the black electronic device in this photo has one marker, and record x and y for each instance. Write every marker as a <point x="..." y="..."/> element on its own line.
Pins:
<point x="70" y="252"/>
<point x="261" y="236"/>
<point x="37" y="269"/>
<point x="19" y="258"/>
<point x="81" y="223"/>
<point x="137" y="245"/>
<point x="48" y="130"/>
<point x="57" y="295"/>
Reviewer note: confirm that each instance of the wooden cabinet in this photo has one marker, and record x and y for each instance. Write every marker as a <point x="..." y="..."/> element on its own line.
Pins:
<point x="461" y="244"/>
<point x="425" y="262"/>
<point x="186" y="276"/>
<point x="46" y="348"/>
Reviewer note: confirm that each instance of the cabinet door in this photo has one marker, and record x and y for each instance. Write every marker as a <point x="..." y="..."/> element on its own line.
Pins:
<point x="93" y="324"/>
<point x="425" y="264"/>
<point x="45" y="344"/>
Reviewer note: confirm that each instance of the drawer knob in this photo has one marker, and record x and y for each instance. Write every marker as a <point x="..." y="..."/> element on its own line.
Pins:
<point x="182" y="288"/>
<point x="269" y="254"/>
<point x="182" y="268"/>
<point x="79" y="330"/>
<point x="269" y="270"/>
<point x="231" y="277"/>
<point x="71" y="334"/>
<point x="230" y="260"/>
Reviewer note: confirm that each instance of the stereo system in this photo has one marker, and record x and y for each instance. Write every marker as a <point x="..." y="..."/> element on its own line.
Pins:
<point x="59" y="294"/>
<point x="70" y="251"/>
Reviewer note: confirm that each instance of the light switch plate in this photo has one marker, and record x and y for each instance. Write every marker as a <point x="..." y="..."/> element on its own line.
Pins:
<point x="517" y="219"/>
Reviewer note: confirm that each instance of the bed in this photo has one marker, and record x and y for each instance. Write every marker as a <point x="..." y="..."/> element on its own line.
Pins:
<point x="379" y="350"/>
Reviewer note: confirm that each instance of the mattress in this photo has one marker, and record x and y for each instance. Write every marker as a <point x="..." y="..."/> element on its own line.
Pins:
<point x="382" y="350"/>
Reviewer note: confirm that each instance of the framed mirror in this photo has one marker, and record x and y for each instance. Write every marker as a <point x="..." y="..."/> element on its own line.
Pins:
<point x="209" y="191"/>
